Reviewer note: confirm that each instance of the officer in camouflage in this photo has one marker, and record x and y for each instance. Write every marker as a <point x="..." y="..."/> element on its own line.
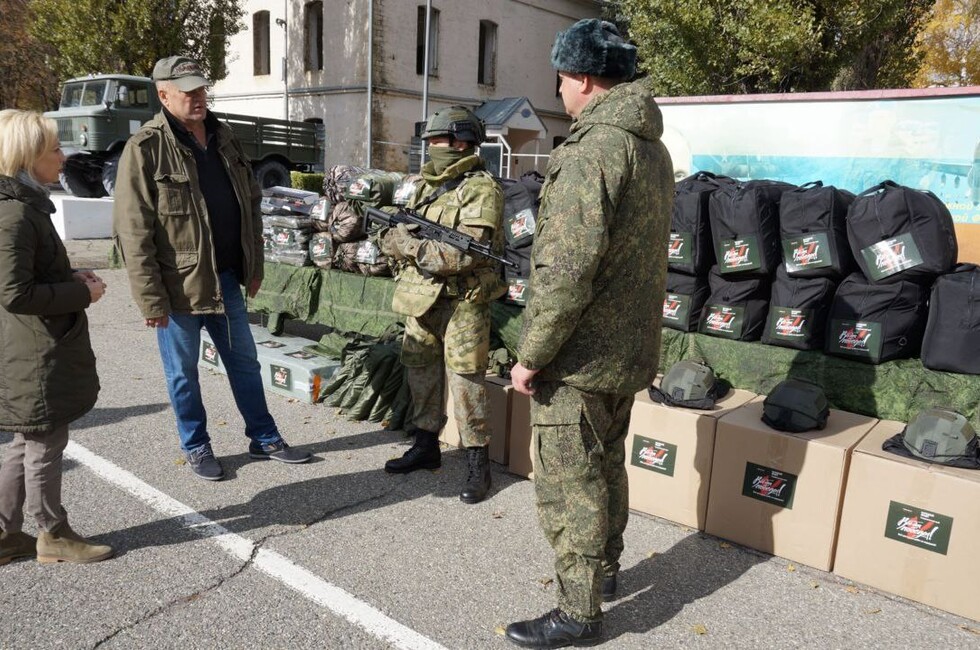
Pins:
<point x="446" y="296"/>
<point x="591" y="334"/>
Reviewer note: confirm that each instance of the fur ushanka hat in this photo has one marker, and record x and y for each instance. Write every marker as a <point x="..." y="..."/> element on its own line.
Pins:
<point x="594" y="47"/>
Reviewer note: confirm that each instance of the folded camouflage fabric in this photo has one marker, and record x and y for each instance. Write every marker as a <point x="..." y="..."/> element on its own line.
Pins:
<point x="337" y="179"/>
<point x="346" y="224"/>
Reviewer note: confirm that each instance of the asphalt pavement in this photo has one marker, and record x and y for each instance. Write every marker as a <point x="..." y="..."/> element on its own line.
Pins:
<point x="338" y="554"/>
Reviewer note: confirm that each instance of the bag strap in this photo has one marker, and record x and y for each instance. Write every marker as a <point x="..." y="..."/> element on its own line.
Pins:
<point x="448" y="186"/>
<point x="810" y="185"/>
<point x="883" y="185"/>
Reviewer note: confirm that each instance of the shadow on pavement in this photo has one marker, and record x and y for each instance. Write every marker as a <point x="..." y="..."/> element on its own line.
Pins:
<point x="304" y="503"/>
<point x="693" y="568"/>
<point x="98" y="417"/>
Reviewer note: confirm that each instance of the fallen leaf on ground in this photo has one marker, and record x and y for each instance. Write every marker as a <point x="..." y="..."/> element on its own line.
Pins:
<point x="652" y="554"/>
<point x="791" y="568"/>
<point x="699" y="629"/>
<point x="292" y="400"/>
<point x="546" y="582"/>
<point x="852" y="590"/>
<point x="814" y="584"/>
<point x="222" y="423"/>
<point x="499" y="630"/>
<point x="498" y="514"/>
<point x="971" y="630"/>
<point x="180" y="461"/>
<point x="724" y="545"/>
<point x="873" y="611"/>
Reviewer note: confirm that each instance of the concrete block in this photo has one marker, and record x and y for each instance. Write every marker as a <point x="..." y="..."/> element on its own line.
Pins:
<point x="77" y="218"/>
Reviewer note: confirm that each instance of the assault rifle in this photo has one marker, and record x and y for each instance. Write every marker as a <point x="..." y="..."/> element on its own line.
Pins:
<point x="433" y="231"/>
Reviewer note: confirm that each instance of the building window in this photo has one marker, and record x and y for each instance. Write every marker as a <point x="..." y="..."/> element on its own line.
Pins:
<point x="487" y="65"/>
<point x="260" y="43"/>
<point x="219" y="46"/>
<point x="313" y="35"/>
<point x="433" y="43"/>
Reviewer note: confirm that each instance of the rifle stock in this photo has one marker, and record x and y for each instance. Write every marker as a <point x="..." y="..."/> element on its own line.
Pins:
<point x="434" y="232"/>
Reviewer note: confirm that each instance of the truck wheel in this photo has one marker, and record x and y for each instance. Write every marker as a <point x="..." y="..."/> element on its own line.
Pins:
<point x="271" y="173"/>
<point x="109" y="169"/>
<point x="78" y="184"/>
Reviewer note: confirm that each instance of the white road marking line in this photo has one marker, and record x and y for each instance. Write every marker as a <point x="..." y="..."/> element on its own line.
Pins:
<point x="269" y="562"/>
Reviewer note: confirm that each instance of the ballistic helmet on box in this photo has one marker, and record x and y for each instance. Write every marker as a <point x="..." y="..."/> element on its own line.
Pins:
<point x="938" y="435"/>
<point x="689" y="384"/>
<point x="795" y="405"/>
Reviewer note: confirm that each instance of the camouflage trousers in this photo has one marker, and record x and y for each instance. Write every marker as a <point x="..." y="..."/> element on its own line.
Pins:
<point x="582" y="491"/>
<point x="454" y="336"/>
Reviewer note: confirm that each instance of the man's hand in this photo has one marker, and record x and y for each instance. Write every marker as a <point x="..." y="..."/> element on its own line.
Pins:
<point x="395" y="242"/>
<point x="96" y="288"/>
<point x="162" y="321"/>
<point x="522" y="377"/>
<point x="84" y="276"/>
<point x="253" y="287"/>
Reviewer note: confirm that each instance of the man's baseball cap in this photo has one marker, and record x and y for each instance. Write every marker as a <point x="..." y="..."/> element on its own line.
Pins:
<point x="184" y="71"/>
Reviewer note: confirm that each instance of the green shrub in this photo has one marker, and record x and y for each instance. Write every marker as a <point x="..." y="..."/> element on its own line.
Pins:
<point x="308" y="182"/>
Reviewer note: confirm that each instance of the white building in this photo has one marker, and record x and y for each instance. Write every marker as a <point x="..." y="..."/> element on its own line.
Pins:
<point x="344" y="56"/>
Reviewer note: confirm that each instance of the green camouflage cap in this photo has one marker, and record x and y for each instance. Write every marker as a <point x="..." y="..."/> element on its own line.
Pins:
<point x="938" y="435"/>
<point x="689" y="384"/>
<point x="456" y="121"/>
<point x="795" y="405"/>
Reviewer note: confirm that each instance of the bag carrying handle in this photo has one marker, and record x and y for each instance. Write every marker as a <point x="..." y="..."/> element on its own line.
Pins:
<point x="809" y="186"/>
<point x="883" y="185"/>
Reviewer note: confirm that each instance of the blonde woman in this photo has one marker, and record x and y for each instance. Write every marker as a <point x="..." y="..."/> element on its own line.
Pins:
<point x="48" y="376"/>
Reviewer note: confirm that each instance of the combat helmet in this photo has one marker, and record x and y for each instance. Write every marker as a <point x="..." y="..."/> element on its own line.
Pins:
<point x="796" y="406"/>
<point x="940" y="436"/>
<point x="458" y="122"/>
<point x="689" y="384"/>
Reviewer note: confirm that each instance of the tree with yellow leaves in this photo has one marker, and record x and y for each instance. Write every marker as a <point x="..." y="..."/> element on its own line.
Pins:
<point x="950" y="44"/>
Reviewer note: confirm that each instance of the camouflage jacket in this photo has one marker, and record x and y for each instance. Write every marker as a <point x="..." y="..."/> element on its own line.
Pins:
<point x="433" y="269"/>
<point x="599" y="262"/>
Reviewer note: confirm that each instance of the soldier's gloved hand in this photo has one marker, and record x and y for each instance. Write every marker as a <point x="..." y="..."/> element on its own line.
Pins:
<point x="401" y="240"/>
<point x="388" y="246"/>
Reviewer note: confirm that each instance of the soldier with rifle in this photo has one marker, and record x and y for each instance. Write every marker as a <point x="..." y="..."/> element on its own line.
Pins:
<point x="444" y="290"/>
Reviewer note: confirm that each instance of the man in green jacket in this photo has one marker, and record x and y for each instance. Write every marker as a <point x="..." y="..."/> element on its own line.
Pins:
<point x="445" y="295"/>
<point x="187" y="223"/>
<point x="591" y="335"/>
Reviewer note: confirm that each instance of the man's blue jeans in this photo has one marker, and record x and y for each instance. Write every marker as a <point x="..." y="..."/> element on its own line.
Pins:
<point x="180" y="348"/>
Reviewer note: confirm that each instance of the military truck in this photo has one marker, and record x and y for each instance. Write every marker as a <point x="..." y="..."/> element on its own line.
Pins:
<point x="97" y="114"/>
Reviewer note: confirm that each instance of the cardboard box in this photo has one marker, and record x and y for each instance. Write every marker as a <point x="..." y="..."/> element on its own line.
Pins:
<point x="287" y="368"/>
<point x="521" y="456"/>
<point x="780" y="492"/>
<point x="668" y="457"/>
<point x="499" y="393"/>
<point x="911" y="527"/>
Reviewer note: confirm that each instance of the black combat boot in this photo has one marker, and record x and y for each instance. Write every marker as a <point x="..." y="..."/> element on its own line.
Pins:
<point x="608" y="590"/>
<point x="423" y="454"/>
<point x="556" y="629"/>
<point x="477" y="475"/>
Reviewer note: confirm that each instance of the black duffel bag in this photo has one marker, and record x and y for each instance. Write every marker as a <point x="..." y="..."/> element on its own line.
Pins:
<point x="745" y="226"/>
<point x="952" y="338"/>
<point x="736" y="308"/>
<point x="876" y="322"/>
<point x="686" y="295"/>
<point x="813" y="231"/>
<point x="798" y="311"/>
<point x="690" y="249"/>
<point x="517" y="279"/>
<point x="899" y="233"/>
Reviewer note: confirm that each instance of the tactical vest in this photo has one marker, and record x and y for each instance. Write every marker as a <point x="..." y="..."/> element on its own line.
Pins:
<point x="417" y="291"/>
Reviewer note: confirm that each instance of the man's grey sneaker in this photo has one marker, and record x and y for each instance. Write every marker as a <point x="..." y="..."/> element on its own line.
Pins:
<point x="278" y="451"/>
<point x="204" y="464"/>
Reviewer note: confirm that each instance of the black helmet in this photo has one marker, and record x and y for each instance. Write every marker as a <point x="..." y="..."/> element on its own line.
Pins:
<point x="457" y="122"/>
<point x="795" y="405"/>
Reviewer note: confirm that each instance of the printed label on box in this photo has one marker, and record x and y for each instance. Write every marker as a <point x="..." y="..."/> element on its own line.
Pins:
<point x="769" y="485"/>
<point x="654" y="455"/>
<point x="916" y="527"/>
<point x="209" y="353"/>
<point x="281" y="376"/>
<point x="679" y="248"/>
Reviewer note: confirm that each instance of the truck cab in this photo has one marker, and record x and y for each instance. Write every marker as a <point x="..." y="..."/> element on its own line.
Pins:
<point x="97" y="115"/>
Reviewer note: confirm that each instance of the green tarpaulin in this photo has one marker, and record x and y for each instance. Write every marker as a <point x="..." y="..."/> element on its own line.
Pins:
<point x="895" y="390"/>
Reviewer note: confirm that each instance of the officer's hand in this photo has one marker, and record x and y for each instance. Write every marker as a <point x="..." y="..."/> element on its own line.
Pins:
<point x="96" y="288"/>
<point x="162" y="321"/>
<point x="254" y="286"/>
<point x="522" y="377"/>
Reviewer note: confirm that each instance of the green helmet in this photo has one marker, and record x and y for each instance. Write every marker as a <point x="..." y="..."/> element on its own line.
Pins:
<point x="689" y="384"/>
<point x="795" y="405"/>
<point x="457" y="122"/>
<point x="939" y="436"/>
